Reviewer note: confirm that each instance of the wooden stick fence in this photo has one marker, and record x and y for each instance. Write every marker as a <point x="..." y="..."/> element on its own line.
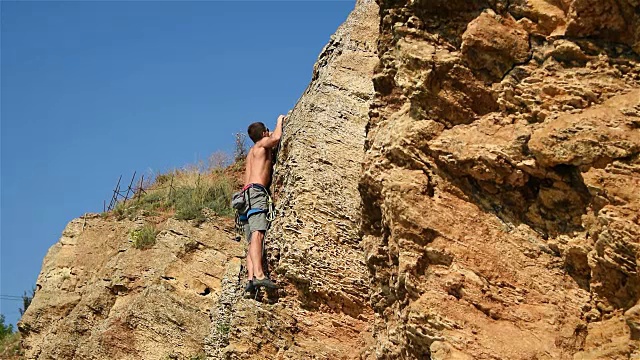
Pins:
<point x="131" y="193"/>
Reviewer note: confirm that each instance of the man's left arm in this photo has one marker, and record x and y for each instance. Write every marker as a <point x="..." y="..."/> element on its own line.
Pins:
<point x="273" y="140"/>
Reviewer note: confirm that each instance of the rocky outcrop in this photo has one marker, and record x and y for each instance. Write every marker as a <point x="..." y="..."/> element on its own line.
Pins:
<point x="314" y="249"/>
<point x="500" y="188"/>
<point x="98" y="297"/>
<point x="459" y="181"/>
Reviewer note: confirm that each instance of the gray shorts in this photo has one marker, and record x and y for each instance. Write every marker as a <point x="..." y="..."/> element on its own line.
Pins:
<point x="258" y="221"/>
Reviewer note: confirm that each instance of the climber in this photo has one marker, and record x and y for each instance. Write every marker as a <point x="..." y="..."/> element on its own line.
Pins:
<point x="257" y="178"/>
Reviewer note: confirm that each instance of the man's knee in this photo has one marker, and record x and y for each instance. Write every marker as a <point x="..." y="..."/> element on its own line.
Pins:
<point x="257" y="234"/>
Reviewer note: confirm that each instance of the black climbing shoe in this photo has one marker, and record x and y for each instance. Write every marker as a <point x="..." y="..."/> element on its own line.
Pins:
<point x="250" y="288"/>
<point x="264" y="283"/>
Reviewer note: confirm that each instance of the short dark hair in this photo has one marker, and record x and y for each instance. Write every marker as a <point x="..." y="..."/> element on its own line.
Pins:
<point x="256" y="130"/>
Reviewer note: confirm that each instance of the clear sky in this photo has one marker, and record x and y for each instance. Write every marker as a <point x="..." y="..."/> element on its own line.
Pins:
<point x="92" y="90"/>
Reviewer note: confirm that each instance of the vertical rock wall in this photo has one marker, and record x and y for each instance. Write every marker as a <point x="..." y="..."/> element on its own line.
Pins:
<point x="314" y="244"/>
<point x="501" y="180"/>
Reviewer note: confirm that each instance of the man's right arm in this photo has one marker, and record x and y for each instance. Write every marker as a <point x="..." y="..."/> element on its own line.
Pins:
<point x="247" y="174"/>
<point x="273" y="140"/>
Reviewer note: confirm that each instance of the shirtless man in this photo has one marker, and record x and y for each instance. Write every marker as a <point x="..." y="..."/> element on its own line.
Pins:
<point x="256" y="179"/>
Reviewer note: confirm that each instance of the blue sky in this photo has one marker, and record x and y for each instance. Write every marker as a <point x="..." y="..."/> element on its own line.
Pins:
<point x="92" y="90"/>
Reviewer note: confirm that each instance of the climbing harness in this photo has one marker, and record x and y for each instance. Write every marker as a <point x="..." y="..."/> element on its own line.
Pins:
<point x="241" y="202"/>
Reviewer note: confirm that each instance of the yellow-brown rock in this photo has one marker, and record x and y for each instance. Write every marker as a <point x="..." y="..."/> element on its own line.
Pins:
<point x="460" y="180"/>
<point x="323" y="310"/>
<point x="495" y="43"/>
<point x="98" y="297"/>
<point x="500" y="181"/>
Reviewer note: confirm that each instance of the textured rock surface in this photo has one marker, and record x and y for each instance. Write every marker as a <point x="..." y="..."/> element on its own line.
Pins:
<point x="323" y="311"/>
<point x="497" y="214"/>
<point x="501" y="180"/>
<point x="99" y="298"/>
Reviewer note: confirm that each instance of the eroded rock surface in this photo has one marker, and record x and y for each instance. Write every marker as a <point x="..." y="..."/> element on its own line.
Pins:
<point x="314" y="249"/>
<point x="497" y="214"/>
<point x="98" y="297"/>
<point x="500" y="190"/>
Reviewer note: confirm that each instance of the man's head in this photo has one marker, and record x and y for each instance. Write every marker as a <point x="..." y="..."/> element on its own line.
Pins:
<point x="257" y="131"/>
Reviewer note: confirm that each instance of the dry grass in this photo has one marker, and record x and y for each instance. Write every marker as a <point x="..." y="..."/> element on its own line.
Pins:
<point x="185" y="192"/>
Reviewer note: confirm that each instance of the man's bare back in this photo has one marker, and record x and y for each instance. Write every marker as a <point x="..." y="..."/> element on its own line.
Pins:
<point x="259" y="159"/>
<point x="258" y="169"/>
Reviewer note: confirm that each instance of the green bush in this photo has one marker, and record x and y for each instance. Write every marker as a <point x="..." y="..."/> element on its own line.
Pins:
<point x="9" y="341"/>
<point x="10" y="347"/>
<point x="120" y="210"/>
<point x="145" y="237"/>
<point x="223" y="328"/>
<point x="152" y="199"/>
<point x="149" y="203"/>
<point x="5" y="330"/>
<point x="187" y="204"/>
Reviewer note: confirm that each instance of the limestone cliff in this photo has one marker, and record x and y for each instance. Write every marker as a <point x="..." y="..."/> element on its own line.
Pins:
<point x="98" y="297"/>
<point x="314" y="244"/>
<point x="460" y="180"/>
<point x="501" y="180"/>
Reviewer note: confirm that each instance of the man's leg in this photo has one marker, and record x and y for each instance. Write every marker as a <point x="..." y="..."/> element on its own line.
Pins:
<point x="258" y="224"/>
<point x="247" y="234"/>
<point x="249" y="267"/>
<point x="255" y="250"/>
<point x="255" y="254"/>
<point x="250" y="287"/>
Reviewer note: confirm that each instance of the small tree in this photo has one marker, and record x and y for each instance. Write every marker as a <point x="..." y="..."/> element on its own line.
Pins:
<point x="240" y="152"/>
<point x="218" y="161"/>
<point x="26" y="301"/>
<point x="5" y="330"/>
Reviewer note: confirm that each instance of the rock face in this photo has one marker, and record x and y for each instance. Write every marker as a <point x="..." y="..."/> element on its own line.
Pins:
<point x="500" y="186"/>
<point x="460" y="180"/>
<point x="98" y="297"/>
<point x="314" y="244"/>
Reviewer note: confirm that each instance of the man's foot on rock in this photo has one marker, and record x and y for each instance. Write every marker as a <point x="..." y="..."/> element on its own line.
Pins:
<point x="250" y="288"/>
<point x="265" y="283"/>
